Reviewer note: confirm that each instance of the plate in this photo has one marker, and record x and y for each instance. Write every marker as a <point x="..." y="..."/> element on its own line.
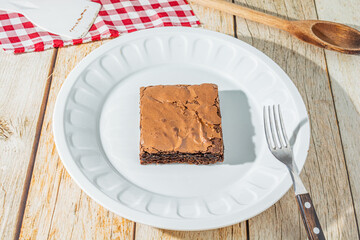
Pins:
<point x="96" y="129"/>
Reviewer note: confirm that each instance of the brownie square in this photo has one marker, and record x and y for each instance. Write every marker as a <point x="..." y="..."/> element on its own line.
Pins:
<point x="180" y="124"/>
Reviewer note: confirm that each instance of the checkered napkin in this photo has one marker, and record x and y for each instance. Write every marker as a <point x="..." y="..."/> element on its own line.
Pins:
<point x="116" y="17"/>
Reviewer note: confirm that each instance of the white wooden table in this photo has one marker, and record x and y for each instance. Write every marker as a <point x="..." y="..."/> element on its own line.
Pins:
<point x="39" y="199"/>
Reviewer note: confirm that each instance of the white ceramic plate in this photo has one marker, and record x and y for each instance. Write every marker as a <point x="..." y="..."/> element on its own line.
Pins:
<point x="96" y="128"/>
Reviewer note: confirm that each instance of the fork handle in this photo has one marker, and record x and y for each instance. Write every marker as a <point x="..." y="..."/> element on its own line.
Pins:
<point x="309" y="217"/>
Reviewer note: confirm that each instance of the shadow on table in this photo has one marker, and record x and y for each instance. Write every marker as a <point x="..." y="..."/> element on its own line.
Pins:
<point x="336" y="216"/>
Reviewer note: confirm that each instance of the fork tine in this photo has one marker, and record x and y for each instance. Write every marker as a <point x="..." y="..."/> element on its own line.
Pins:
<point x="283" y="127"/>
<point x="272" y="129"/>
<point x="266" y="127"/>
<point x="280" y="141"/>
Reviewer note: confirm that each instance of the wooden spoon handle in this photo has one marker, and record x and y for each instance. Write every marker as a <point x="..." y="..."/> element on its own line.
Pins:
<point x="244" y="12"/>
<point x="309" y="217"/>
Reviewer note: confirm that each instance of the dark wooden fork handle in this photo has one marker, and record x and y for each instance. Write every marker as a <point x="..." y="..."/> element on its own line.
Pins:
<point x="309" y="217"/>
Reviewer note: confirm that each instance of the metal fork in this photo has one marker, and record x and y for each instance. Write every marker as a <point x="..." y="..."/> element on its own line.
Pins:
<point x="280" y="147"/>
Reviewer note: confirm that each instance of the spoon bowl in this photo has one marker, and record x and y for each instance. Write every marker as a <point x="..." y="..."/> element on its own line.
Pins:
<point x="329" y="35"/>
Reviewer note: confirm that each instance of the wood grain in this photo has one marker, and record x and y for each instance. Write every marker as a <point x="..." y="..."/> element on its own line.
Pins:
<point x="344" y="72"/>
<point x="309" y="217"/>
<point x="215" y="20"/>
<point x="237" y="231"/>
<point x="323" y="34"/>
<point x="244" y="12"/>
<point x="325" y="173"/>
<point x="56" y="208"/>
<point x="24" y="83"/>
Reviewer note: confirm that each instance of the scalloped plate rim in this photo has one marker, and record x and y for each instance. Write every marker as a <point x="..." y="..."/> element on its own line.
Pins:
<point x="156" y="221"/>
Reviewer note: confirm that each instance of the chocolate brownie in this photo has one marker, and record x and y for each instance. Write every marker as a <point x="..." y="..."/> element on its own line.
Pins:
<point x="180" y="124"/>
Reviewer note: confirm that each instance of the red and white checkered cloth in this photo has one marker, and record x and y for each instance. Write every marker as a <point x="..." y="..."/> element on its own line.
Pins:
<point x="18" y="35"/>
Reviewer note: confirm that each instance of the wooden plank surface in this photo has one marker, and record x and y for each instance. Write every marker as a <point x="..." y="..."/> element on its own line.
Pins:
<point x="325" y="174"/>
<point x="56" y="207"/>
<point x="237" y="231"/>
<point x="24" y="81"/>
<point x="344" y="73"/>
<point x="214" y="20"/>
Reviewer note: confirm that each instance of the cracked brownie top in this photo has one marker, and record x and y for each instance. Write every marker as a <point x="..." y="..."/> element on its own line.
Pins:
<point x="180" y="118"/>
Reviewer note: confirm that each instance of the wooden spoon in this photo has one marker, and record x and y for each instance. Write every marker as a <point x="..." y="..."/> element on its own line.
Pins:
<point x="329" y="35"/>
